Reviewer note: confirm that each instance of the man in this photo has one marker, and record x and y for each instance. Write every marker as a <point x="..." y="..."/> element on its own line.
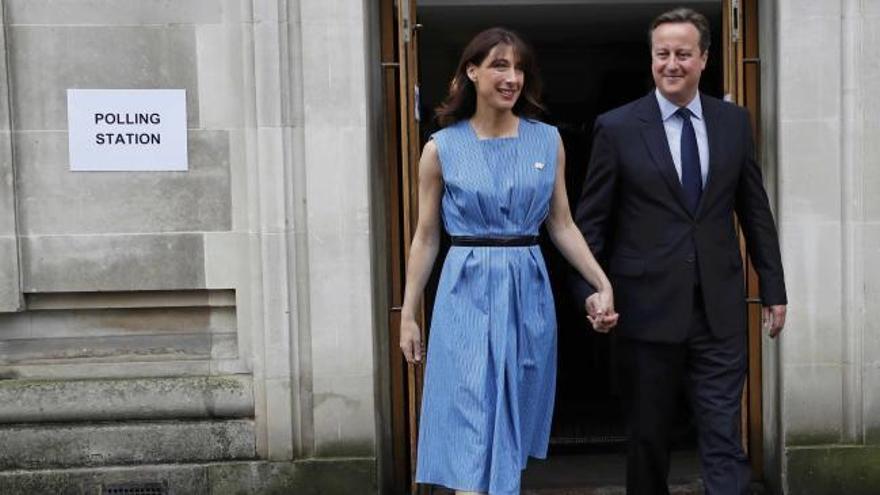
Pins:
<point x="666" y="176"/>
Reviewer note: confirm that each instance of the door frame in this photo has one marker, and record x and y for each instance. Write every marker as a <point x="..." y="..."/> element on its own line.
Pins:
<point x="742" y="85"/>
<point x="399" y="59"/>
<point x="399" y="55"/>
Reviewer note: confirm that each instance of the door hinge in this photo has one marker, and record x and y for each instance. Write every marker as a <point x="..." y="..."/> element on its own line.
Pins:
<point x="734" y="20"/>
<point x="405" y="18"/>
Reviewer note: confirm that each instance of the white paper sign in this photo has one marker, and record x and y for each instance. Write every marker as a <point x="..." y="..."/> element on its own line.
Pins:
<point x="127" y="129"/>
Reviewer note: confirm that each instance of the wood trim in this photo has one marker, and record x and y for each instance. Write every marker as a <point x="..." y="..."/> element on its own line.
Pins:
<point x="742" y="83"/>
<point x="407" y="45"/>
<point x="749" y="65"/>
<point x="400" y="467"/>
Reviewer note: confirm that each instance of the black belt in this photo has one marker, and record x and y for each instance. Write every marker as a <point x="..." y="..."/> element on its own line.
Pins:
<point x="517" y="241"/>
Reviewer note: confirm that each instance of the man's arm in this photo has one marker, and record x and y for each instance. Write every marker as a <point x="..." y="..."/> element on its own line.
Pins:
<point x="762" y="240"/>
<point x="595" y="204"/>
<point x="753" y="211"/>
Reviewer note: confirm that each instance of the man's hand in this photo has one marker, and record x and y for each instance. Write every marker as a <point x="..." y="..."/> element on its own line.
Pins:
<point x="773" y="319"/>
<point x="600" y="311"/>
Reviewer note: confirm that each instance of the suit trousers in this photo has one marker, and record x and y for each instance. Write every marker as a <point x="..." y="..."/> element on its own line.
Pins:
<point x="713" y="370"/>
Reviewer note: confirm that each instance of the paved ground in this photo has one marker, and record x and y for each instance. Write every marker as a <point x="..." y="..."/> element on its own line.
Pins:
<point x="602" y="474"/>
<point x="599" y="474"/>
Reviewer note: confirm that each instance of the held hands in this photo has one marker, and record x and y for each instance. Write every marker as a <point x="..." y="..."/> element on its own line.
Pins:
<point x="773" y="319"/>
<point x="411" y="341"/>
<point x="600" y="311"/>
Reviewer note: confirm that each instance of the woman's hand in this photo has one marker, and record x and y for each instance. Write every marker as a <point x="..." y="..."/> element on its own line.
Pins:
<point x="411" y="341"/>
<point x="600" y="310"/>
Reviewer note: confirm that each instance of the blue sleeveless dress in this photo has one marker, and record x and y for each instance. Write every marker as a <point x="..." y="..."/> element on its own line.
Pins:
<point x="491" y="365"/>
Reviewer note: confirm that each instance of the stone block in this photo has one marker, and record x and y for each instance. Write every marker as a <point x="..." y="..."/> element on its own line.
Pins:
<point x="870" y="256"/>
<point x="332" y="11"/>
<point x="220" y="300"/>
<point x="798" y="10"/>
<point x="47" y="60"/>
<point x="341" y="307"/>
<point x="854" y="470"/>
<point x="871" y="411"/>
<point x="312" y="477"/>
<point x="54" y="200"/>
<point x="270" y="11"/>
<point x="269" y="74"/>
<point x="279" y="420"/>
<point x="10" y="282"/>
<point x="220" y="61"/>
<point x="178" y="480"/>
<point x="272" y="165"/>
<point x="344" y="415"/>
<point x="339" y="190"/>
<point x="812" y="406"/>
<point x="108" y="263"/>
<point x="4" y="81"/>
<point x="814" y="280"/>
<point x="7" y="187"/>
<point x="809" y="49"/>
<point x="224" y="346"/>
<point x="39" y="401"/>
<point x="122" y="12"/>
<point x="869" y="175"/>
<point x="324" y="477"/>
<point x="132" y="368"/>
<point x="810" y="145"/>
<point x="242" y="178"/>
<point x="115" y="348"/>
<point x="67" y="323"/>
<point x="334" y="73"/>
<point x="62" y="445"/>
<point x="226" y="260"/>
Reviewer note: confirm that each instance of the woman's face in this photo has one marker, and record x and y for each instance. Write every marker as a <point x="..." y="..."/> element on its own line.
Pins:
<point x="498" y="79"/>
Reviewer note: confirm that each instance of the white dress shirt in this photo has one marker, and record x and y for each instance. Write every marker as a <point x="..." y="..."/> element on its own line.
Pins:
<point x="673" y="124"/>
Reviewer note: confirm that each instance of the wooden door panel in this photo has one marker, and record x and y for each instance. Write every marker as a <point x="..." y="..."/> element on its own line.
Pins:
<point x="742" y="86"/>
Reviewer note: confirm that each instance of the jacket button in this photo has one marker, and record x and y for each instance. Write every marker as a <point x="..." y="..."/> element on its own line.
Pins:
<point x="690" y="259"/>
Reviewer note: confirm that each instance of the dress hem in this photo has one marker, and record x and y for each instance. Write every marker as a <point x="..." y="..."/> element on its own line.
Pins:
<point x="471" y="489"/>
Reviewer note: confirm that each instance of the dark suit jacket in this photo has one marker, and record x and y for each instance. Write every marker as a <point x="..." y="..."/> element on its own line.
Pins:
<point x="633" y="215"/>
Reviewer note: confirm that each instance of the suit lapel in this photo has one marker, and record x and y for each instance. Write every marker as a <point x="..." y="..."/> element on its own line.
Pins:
<point x="654" y="135"/>
<point x="711" y="114"/>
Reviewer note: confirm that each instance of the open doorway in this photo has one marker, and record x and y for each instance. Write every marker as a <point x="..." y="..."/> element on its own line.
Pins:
<point x="593" y="56"/>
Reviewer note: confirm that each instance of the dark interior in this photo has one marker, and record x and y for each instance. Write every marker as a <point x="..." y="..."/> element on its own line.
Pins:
<point x="593" y="56"/>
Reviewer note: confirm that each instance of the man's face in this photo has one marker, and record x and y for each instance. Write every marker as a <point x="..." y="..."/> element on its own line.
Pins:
<point x="676" y="61"/>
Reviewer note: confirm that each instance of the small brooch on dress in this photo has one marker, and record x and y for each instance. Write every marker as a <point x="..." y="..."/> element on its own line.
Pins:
<point x="539" y="165"/>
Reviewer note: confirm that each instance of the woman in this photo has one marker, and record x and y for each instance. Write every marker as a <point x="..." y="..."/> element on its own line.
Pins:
<point x="497" y="174"/>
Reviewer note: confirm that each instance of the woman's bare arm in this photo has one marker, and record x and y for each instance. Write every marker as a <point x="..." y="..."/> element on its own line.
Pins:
<point x="570" y="242"/>
<point x="423" y="251"/>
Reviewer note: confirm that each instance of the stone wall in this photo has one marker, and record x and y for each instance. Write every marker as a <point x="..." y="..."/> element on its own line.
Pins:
<point x="828" y="147"/>
<point x="229" y="307"/>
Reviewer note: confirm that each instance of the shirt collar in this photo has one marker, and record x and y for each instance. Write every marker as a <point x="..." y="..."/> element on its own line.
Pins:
<point x="668" y="109"/>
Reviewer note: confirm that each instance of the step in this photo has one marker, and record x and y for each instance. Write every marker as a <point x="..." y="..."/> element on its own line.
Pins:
<point x="61" y="401"/>
<point x="694" y="487"/>
<point x="335" y="476"/>
<point x="41" y="446"/>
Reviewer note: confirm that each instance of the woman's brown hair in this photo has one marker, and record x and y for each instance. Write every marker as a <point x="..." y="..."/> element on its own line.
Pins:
<point x="461" y="101"/>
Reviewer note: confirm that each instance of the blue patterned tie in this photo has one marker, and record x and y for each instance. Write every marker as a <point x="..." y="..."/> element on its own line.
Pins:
<point x="691" y="176"/>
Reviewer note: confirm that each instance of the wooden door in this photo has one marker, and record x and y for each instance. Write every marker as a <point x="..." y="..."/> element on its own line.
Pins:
<point x="400" y="85"/>
<point x="410" y="153"/>
<point x="742" y="86"/>
<point x="739" y="53"/>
